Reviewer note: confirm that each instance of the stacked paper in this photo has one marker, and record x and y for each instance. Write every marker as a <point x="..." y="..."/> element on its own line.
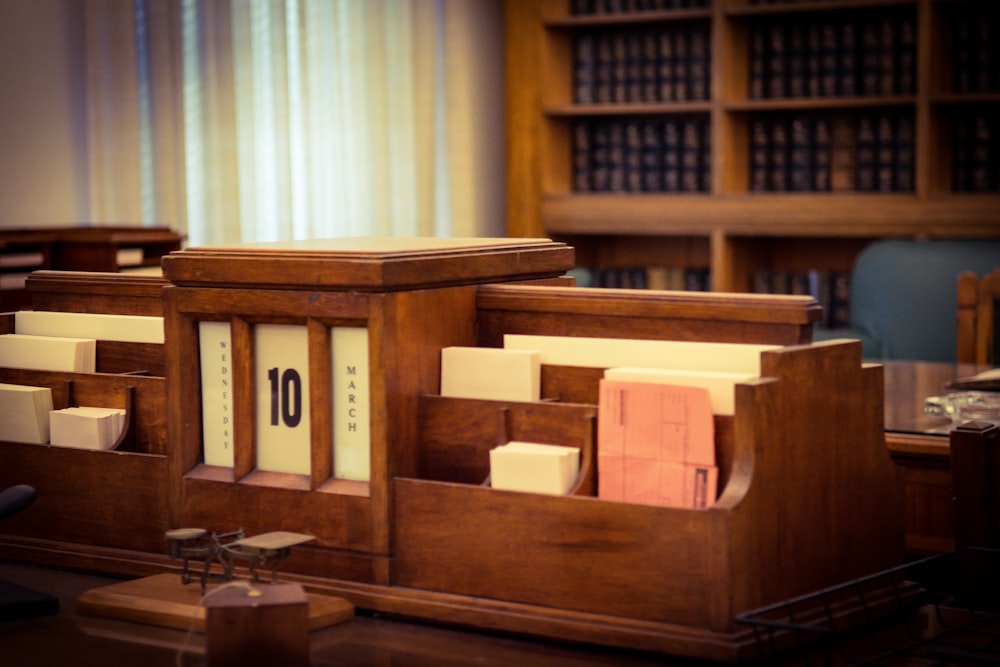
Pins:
<point x="48" y="353"/>
<point x="129" y="256"/>
<point x="100" y="326"/>
<point x="24" y="413"/>
<point x="721" y="385"/>
<point x="86" y="427"/>
<point x="490" y="373"/>
<point x="534" y="467"/>
<point x="612" y="352"/>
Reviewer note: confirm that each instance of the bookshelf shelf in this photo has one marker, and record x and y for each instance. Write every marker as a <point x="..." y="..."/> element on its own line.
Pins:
<point x="627" y="18"/>
<point x="738" y="8"/>
<point x="966" y="98"/>
<point x="632" y="109"/>
<point x="932" y="121"/>
<point x="827" y="103"/>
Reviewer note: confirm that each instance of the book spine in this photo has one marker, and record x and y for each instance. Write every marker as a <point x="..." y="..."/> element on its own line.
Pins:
<point x="665" y="66"/>
<point x="619" y="68"/>
<point x="982" y="171"/>
<point x="800" y="156"/>
<point x="697" y="279"/>
<point x="885" y="153"/>
<point x="840" y="299"/>
<point x="760" y="281"/>
<point x="814" y="60"/>
<point x="869" y="58"/>
<point x="584" y="69"/>
<point x="866" y="153"/>
<point x="633" y="67"/>
<point x="778" y="159"/>
<point x="777" y="61"/>
<point x="691" y="136"/>
<point x="760" y="148"/>
<point x="582" y="152"/>
<point x="616" y="156"/>
<point x="797" y="86"/>
<point x="600" y="163"/>
<point x="779" y="282"/>
<point x="699" y="67"/>
<point x="843" y="154"/>
<point x="905" y="153"/>
<point x="798" y="283"/>
<point x="682" y="62"/>
<point x="847" y="57"/>
<point x="829" y="47"/>
<point x="652" y="156"/>
<point x="822" y="153"/>
<point x="603" y="70"/>
<point x="633" y="156"/>
<point x="652" y="159"/>
<point x="671" y="156"/>
<point x="650" y="67"/>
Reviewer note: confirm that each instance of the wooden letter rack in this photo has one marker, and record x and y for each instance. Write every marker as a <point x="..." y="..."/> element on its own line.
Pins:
<point x="808" y="495"/>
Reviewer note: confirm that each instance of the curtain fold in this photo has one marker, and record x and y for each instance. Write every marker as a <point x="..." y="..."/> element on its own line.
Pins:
<point x="262" y="120"/>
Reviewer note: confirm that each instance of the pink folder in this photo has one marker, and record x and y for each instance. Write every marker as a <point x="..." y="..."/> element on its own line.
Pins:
<point x="656" y="444"/>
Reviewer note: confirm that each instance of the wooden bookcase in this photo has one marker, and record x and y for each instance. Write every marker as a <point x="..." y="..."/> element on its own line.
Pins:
<point x="728" y="227"/>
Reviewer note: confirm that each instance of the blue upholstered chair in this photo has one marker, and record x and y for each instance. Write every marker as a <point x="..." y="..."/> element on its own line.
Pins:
<point x="903" y="296"/>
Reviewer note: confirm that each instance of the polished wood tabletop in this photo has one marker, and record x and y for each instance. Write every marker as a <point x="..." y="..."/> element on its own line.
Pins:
<point x="72" y="639"/>
<point x="908" y="384"/>
<point x="918" y="443"/>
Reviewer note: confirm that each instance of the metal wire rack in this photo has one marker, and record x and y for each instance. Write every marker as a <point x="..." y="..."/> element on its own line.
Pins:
<point x="941" y="610"/>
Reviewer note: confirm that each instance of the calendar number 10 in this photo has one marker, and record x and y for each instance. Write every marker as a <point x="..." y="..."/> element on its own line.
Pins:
<point x="286" y="396"/>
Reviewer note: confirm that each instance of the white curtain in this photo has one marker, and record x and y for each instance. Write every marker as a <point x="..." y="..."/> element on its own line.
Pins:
<point x="261" y="120"/>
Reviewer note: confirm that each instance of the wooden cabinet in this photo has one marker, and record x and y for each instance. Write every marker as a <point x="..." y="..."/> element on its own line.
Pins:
<point x="21" y="252"/>
<point x="932" y="101"/>
<point x="101" y="248"/>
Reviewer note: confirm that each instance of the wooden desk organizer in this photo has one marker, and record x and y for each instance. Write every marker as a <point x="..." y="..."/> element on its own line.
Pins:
<point x="808" y="494"/>
<point x="96" y="509"/>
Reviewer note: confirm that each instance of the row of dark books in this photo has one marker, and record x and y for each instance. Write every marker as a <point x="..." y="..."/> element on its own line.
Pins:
<point x="648" y="155"/>
<point x="976" y="68"/>
<point x="625" y="6"/>
<point x="832" y="289"/>
<point x="834" y="57"/>
<point x="976" y="153"/>
<point x="645" y="277"/>
<point x="629" y="66"/>
<point x="816" y="152"/>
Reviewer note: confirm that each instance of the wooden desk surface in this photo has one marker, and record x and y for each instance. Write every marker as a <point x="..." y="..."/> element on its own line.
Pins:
<point x="84" y="641"/>
<point x="918" y="443"/>
<point x="907" y="384"/>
